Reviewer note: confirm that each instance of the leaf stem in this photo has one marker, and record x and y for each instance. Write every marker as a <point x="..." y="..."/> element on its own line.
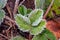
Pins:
<point x="30" y="36"/>
<point x="48" y="9"/>
<point x="4" y="36"/>
<point x="21" y="2"/>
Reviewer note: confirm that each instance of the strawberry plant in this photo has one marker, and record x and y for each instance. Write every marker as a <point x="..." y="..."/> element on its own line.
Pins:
<point x="29" y="19"/>
<point x="33" y="23"/>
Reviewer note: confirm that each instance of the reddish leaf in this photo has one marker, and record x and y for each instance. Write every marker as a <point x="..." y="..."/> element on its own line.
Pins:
<point x="54" y="27"/>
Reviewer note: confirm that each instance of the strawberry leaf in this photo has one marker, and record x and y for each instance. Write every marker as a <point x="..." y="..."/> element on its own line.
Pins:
<point x="23" y="22"/>
<point x="28" y="11"/>
<point x="45" y="35"/>
<point x="22" y="10"/>
<point x="38" y="29"/>
<point x="36" y="16"/>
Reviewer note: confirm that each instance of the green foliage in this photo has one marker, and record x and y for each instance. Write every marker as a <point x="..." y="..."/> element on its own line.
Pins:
<point x="2" y="3"/>
<point x="22" y="10"/>
<point x="55" y="9"/>
<point x="39" y="4"/>
<point x="32" y="22"/>
<point x="38" y="29"/>
<point x="36" y="16"/>
<point x="2" y="13"/>
<point x="45" y="35"/>
<point x="23" y="22"/>
<point x="47" y="3"/>
<point x="18" y="38"/>
<point x="28" y="11"/>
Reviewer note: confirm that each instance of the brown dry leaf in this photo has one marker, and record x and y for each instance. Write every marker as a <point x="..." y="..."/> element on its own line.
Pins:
<point x="54" y="27"/>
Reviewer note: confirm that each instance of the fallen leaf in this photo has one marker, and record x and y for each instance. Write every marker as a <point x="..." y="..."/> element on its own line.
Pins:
<point x="54" y="27"/>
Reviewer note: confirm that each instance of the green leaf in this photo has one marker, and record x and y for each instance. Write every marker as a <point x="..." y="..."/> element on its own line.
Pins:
<point x="55" y="10"/>
<point x="2" y="3"/>
<point x="56" y="6"/>
<point x="36" y="16"/>
<point x="45" y="35"/>
<point x="2" y="13"/>
<point x="22" y="10"/>
<point x="23" y="22"/>
<point x="38" y="29"/>
<point x="18" y="38"/>
<point x="28" y="11"/>
<point x="39" y="4"/>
